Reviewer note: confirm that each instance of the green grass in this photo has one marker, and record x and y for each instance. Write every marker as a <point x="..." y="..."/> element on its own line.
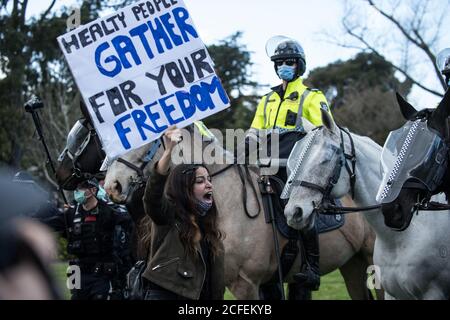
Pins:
<point x="332" y="285"/>
<point x="60" y="270"/>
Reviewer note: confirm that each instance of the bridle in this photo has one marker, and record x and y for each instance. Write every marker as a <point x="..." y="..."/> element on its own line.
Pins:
<point x="348" y="160"/>
<point x="344" y="158"/>
<point x="141" y="179"/>
<point x="328" y="207"/>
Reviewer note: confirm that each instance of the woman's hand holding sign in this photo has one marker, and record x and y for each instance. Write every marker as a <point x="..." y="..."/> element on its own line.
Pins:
<point x="171" y="138"/>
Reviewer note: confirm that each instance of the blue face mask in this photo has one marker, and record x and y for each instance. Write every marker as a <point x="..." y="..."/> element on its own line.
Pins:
<point x="203" y="208"/>
<point x="79" y="196"/>
<point x="286" y="72"/>
<point x="101" y="194"/>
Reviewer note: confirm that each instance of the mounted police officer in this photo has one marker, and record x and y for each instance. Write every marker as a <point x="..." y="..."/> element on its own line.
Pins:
<point x="98" y="235"/>
<point x="281" y="110"/>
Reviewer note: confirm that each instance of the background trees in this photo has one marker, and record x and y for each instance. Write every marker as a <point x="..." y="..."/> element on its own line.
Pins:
<point x="361" y="92"/>
<point x="233" y="66"/>
<point x="397" y="40"/>
<point x="31" y="63"/>
<point x="410" y="33"/>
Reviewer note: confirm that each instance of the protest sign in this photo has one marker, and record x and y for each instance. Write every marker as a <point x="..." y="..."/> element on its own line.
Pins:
<point x="140" y="70"/>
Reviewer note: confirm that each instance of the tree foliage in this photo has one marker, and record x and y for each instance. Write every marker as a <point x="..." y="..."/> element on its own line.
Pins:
<point x="410" y="33"/>
<point x="233" y="66"/>
<point x="361" y="92"/>
<point x="31" y="63"/>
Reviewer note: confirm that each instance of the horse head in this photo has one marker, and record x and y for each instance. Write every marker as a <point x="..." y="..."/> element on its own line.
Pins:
<point x="127" y="174"/>
<point x="129" y="171"/>
<point x="414" y="162"/>
<point x="82" y="157"/>
<point x="316" y="172"/>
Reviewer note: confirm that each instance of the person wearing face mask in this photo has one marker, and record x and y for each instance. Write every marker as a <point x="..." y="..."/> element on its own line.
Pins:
<point x="282" y="111"/>
<point x="186" y="253"/>
<point x="97" y="235"/>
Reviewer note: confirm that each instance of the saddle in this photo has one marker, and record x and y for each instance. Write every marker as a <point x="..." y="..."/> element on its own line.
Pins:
<point x="324" y="223"/>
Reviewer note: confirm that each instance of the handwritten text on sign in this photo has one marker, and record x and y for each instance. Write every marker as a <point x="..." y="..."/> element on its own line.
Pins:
<point x="141" y="70"/>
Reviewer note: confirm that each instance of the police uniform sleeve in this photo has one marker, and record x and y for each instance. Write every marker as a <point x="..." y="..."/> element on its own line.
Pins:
<point x="316" y="101"/>
<point x="258" y="120"/>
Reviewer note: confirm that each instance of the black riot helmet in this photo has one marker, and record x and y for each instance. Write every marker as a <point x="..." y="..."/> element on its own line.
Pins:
<point x="281" y="48"/>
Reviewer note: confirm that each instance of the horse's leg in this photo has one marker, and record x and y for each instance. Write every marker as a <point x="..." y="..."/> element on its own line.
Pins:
<point x="367" y="250"/>
<point x="355" y="276"/>
<point x="244" y="289"/>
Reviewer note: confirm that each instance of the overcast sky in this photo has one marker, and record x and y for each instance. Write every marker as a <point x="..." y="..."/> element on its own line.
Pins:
<point x="303" y="20"/>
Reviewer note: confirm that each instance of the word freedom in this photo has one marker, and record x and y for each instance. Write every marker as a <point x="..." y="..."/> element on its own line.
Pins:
<point x="141" y="70"/>
<point x="199" y="97"/>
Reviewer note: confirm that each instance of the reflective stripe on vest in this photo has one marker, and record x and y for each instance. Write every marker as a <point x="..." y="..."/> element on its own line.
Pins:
<point x="265" y="124"/>
<point x="299" y="121"/>
<point x="204" y="131"/>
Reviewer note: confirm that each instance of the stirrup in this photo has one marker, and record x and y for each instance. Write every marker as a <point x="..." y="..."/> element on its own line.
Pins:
<point x="308" y="279"/>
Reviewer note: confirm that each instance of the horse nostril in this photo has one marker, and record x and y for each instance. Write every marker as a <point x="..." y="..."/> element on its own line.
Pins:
<point x="118" y="186"/>
<point x="298" y="214"/>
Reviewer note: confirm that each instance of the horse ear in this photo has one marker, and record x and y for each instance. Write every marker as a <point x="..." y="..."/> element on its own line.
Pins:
<point x="85" y="112"/>
<point x="407" y="110"/>
<point x="439" y="116"/>
<point x="328" y="122"/>
<point x="307" y="125"/>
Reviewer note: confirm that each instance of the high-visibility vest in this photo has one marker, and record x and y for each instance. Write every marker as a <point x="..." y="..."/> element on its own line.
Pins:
<point x="286" y="114"/>
<point x="203" y="129"/>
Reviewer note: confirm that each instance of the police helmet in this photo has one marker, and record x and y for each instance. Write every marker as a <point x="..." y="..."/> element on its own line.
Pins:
<point x="281" y="47"/>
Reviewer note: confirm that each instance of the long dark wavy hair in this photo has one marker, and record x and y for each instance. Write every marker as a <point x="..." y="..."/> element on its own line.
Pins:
<point x="179" y="190"/>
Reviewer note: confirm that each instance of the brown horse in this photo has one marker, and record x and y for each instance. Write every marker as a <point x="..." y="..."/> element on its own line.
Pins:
<point x="250" y="258"/>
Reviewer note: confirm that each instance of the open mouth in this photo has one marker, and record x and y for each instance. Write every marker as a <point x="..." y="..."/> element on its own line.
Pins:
<point x="208" y="197"/>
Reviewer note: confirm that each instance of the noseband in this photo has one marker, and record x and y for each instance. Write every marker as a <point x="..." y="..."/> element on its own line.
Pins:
<point x="141" y="179"/>
<point x="327" y="204"/>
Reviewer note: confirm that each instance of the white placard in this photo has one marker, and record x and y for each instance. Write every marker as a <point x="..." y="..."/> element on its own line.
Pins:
<point x="140" y="70"/>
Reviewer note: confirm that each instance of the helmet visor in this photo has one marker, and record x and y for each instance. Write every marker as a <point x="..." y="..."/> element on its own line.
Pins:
<point x="77" y="139"/>
<point x="281" y="47"/>
<point x="411" y="152"/>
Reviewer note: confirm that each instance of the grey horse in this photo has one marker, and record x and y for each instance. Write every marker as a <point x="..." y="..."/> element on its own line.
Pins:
<point x="412" y="264"/>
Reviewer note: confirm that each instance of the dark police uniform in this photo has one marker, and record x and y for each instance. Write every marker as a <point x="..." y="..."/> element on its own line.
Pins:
<point x="100" y="241"/>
